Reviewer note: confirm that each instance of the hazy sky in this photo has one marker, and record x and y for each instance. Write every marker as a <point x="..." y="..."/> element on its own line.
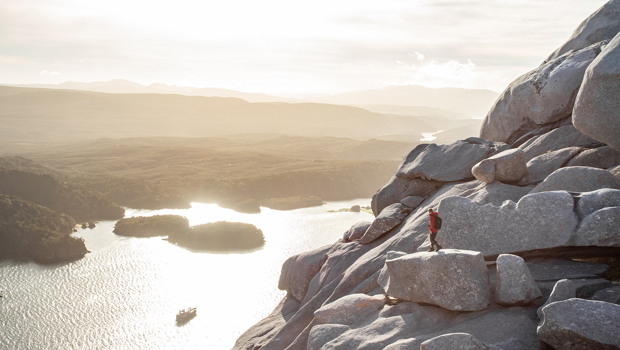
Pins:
<point x="283" y="46"/>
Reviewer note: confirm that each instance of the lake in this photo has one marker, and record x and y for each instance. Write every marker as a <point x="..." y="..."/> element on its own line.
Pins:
<point x="125" y="293"/>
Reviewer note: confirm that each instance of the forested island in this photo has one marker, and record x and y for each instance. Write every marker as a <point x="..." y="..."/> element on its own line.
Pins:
<point x="220" y="236"/>
<point x="30" y="231"/>
<point x="214" y="236"/>
<point x="151" y="226"/>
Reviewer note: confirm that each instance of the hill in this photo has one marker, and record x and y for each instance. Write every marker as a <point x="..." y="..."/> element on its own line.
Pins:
<point x="475" y="103"/>
<point x="43" y="115"/>
<point x="32" y="232"/>
<point x="66" y="198"/>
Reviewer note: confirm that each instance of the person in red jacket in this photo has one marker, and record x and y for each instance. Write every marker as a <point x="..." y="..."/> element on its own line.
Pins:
<point x="432" y="231"/>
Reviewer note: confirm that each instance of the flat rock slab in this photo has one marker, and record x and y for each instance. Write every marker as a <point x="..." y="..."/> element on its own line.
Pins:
<point x="557" y="269"/>
<point x="542" y="96"/>
<point x="412" y="201"/>
<point x="356" y="231"/>
<point x="601" y="157"/>
<point x="538" y="168"/>
<point x="350" y="309"/>
<point x="609" y="295"/>
<point x="298" y="270"/>
<point x="399" y="188"/>
<point x="597" y="109"/>
<point x="514" y="284"/>
<point x="566" y="136"/>
<point x="578" y="324"/>
<point x="391" y="216"/>
<point x="452" y="279"/>
<point x="577" y="179"/>
<point x="564" y="289"/>
<point x="456" y="341"/>
<point x="446" y="162"/>
<point x="537" y="221"/>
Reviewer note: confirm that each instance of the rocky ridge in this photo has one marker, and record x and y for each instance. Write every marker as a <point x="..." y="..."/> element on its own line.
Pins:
<point x="520" y="205"/>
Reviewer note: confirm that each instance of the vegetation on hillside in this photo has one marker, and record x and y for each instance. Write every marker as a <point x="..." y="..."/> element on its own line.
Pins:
<point x="150" y="226"/>
<point x="220" y="236"/>
<point x="32" y="232"/>
<point x="44" y="190"/>
<point x="156" y="173"/>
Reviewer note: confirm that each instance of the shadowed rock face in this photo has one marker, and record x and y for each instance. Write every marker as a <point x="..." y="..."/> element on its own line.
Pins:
<point x="541" y="96"/>
<point x="597" y="109"/>
<point x="580" y="324"/>
<point x="298" y="270"/>
<point x="456" y="341"/>
<point x="563" y="289"/>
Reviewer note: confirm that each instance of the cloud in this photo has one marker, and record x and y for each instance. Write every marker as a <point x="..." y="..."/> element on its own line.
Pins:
<point x="418" y="55"/>
<point x="50" y="73"/>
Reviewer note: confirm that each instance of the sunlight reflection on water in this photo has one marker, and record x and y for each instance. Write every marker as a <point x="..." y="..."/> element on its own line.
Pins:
<point x="126" y="292"/>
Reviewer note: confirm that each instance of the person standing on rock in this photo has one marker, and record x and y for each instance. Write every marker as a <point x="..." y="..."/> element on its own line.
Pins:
<point x="432" y="228"/>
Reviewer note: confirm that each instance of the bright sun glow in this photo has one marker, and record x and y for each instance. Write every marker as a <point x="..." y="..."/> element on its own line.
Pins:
<point x="283" y="46"/>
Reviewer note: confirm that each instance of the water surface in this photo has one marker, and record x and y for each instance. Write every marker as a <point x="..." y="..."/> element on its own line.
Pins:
<point x="126" y="292"/>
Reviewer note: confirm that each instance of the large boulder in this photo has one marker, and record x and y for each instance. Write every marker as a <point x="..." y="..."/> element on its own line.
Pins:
<point x="537" y="221"/>
<point x="566" y="136"/>
<point x="399" y="188"/>
<point x="564" y="289"/>
<point x="601" y="25"/>
<point x="451" y="279"/>
<point x="323" y="333"/>
<point x="541" y="96"/>
<point x="456" y="341"/>
<point x="506" y="166"/>
<point x="391" y="216"/>
<point x="615" y="171"/>
<point x="412" y="201"/>
<point x="298" y="270"/>
<point x="601" y="229"/>
<point x="350" y="309"/>
<point x="577" y="324"/>
<point x="577" y="179"/>
<point x="356" y="231"/>
<point x="538" y="168"/>
<point x="446" y="162"/>
<point x="590" y="202"/>
<point x="600" y="157"/>
<point x="597" y="109"/>
<point x="514" y="283"/>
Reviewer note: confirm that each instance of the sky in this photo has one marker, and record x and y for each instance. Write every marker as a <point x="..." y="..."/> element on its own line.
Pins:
<point x="283" y="46"/>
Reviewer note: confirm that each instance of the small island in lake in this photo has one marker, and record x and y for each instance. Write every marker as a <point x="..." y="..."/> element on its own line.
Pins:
<point x="221" y="235"/>
<point x="151" y="226"/>
<point x="290" y="203"/>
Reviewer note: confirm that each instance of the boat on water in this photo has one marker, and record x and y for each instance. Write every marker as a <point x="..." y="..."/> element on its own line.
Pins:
<point x="186" y="315"/>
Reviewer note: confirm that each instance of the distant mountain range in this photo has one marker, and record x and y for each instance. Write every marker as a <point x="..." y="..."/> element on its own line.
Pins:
<point x="407" y="100"/>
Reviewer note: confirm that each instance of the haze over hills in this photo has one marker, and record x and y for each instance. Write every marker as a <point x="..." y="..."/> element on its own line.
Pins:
<point x="122" y="86"/>
<point x="410" y="100"/>
<point x="42" y="115"/>
<point x="475" y="103"/>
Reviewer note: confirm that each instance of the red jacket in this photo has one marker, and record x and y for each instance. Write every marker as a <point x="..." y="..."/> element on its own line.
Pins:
<point x="432" y="217"/>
